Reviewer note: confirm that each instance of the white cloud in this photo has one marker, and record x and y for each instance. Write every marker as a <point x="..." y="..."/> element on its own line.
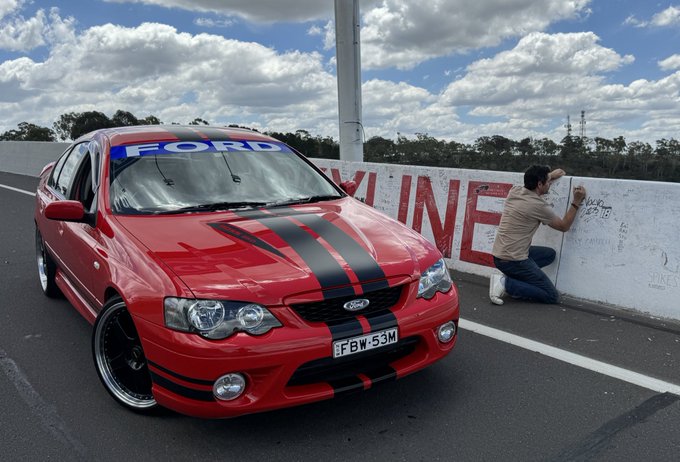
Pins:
<point x="314" y="30"/>
<point x="153" y="68"/>
<point x="670" y="63"/>
<point x="9" y="6"/>
<point x="19" y="34"/>
<point x="668" y="17"/>
<point x="403" y="33"/>
<point x="635" y="22"/>
<point x="529" y="90"/>
<point x="540" y="66"/>
<point x="211" y="23"/>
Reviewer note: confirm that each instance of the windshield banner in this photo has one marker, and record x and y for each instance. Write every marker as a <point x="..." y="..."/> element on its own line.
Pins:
<point x="179" y="147"/>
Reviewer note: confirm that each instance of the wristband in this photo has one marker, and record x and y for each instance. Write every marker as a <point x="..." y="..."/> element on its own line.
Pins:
<point x="575" y="206"/>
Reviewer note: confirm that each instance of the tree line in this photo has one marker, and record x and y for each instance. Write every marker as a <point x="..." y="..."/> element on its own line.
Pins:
<point x="579" y="156"/>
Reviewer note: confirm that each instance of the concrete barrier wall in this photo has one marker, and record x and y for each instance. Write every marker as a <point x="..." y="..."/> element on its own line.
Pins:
<point x="28" y="157"/>
<point x="623" y="248"/>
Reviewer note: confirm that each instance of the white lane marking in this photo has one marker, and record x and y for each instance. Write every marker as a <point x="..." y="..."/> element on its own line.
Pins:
<point x="47" y="414"/>
<point x="17" y="190"/>
<point x="572" y="358"/>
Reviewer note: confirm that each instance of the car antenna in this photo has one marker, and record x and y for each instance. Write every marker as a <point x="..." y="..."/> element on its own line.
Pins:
<point x="167" y="181"/>
<point x="234" y="178"/>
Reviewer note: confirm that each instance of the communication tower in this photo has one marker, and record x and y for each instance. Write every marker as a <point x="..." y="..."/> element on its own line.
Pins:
<point x="568" y="126"/>
<point x="582" y="123"/>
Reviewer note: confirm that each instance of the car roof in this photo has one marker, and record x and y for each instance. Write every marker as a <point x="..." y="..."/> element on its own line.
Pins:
<point x="150" y="133"/>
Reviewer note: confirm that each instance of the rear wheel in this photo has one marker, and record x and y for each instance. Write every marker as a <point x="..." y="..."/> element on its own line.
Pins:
<point x="119" y="358"/>
<point x="47" y="269"/>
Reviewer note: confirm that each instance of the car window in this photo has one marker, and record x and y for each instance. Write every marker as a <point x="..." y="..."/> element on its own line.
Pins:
<point x="52" y="181"/>
<point x="82" y="185"/>
<point x="68" y="170"/>
<point x="156" y="180"/>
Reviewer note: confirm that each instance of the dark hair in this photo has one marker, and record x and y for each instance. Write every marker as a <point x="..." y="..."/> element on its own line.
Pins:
<point x="534" y="175"/>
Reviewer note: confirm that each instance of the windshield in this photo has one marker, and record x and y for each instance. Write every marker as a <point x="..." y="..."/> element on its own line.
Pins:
<point x="150" y="179"/>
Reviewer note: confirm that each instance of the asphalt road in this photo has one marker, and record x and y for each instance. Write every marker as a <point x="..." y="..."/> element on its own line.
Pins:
<point x="487" y="401"/>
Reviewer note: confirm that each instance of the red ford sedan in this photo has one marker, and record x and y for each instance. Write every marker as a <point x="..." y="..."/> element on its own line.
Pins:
<point x="224" y="274"/>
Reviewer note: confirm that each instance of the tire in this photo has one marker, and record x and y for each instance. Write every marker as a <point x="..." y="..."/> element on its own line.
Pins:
<point x="119" y="358"/>
<point x="47" y="269"/>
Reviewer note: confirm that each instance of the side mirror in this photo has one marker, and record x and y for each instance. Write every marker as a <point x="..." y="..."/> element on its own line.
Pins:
<point x="65" y="211"/>
<point x="349" y="186"/>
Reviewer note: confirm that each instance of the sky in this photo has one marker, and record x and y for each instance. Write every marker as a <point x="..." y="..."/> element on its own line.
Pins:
<point x="451" y="69"/>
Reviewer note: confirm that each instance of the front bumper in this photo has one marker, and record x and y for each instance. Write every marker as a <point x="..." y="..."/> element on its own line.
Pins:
<point x="293" y="364"/>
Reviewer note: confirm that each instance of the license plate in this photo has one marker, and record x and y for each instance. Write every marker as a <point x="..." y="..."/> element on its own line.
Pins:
<point x="354" y="345"/>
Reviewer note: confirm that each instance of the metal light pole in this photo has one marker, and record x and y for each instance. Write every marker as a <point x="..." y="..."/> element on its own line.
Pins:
<point x="348" y="56"/>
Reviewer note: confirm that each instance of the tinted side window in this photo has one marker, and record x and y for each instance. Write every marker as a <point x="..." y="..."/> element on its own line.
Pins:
<point x="52" y="181"/>
<point x="82" y="186"/>
<point x="69" y="168"/>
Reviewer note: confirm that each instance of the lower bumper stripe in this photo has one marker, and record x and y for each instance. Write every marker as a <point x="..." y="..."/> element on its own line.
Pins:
<point x="347" y="385"/>
<point x="199" y="395"/>
<point x="179" y="376"/>
<point x="381" y="374"/>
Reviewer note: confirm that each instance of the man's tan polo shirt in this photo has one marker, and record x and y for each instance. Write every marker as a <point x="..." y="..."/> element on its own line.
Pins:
<point x="524" y="211"/>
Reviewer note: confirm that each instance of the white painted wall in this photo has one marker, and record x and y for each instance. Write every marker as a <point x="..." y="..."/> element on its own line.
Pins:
<point x="28" y="157"/>
<point x="623" y="248"/>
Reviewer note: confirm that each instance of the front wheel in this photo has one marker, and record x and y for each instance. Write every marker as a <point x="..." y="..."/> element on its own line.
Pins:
<point x="119" y="358"/>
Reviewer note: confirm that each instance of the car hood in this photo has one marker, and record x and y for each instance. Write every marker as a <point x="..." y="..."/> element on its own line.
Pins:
<point x="268" y="255"/>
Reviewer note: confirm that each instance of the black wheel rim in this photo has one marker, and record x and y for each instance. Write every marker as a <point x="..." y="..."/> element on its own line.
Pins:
<point x="120" y="358"/>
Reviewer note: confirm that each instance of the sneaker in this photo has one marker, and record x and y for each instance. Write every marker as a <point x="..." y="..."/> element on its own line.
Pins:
<point x="497" y="289"/>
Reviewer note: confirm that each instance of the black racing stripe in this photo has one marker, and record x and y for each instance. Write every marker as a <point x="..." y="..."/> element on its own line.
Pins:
<point x="184" y="133"/>
<point x="243" y="235"/>
<point x="361" y="262"/>
<point x="341" y="330"/>
<point x="325" y="268"/>
<point x="198" y="395"/>
<point x="179" y="376"/>
<point x="381" y="320"/>
<point x="346" y="385"/>
<point x="381" y="374"/>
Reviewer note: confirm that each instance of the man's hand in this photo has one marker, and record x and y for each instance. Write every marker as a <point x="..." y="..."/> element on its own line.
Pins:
<point x="555" y="174"/>
<point x="579" y="194"/>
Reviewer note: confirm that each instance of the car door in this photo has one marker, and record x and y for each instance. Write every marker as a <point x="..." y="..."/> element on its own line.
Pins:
<point x="73" y="243"/>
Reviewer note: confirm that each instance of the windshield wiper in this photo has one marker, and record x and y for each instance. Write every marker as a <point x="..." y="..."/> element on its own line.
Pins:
<point x="306" y="200"/>
<point x="214" y="206"/>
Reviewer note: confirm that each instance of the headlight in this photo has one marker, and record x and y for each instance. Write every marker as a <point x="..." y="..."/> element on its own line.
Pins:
<point x="217" y="319"/>
<point x="434" y="279"/>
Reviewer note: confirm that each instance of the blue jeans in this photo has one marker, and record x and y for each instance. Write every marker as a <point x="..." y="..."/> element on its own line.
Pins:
<point x="524" y="278"/>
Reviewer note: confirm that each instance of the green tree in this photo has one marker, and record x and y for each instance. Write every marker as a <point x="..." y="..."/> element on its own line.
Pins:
<point x="150" y="120"/>
<point x="85" y="122"/>
<point x="199" y="121"/>
<point x="123" y="119"/>
<point x="29" y="132"/>
<point x="64" y="124"/>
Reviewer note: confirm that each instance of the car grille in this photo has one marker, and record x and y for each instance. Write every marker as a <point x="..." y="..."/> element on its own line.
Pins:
<point x="331" y="310"/>
<point x="370" y="363"/>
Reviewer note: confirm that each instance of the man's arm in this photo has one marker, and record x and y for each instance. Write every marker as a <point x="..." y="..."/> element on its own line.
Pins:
<point x="563" y="224"/>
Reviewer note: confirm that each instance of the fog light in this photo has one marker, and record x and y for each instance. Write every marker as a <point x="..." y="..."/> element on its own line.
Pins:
<point x="446" y="332"/>
<point x="229" y="387"/>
